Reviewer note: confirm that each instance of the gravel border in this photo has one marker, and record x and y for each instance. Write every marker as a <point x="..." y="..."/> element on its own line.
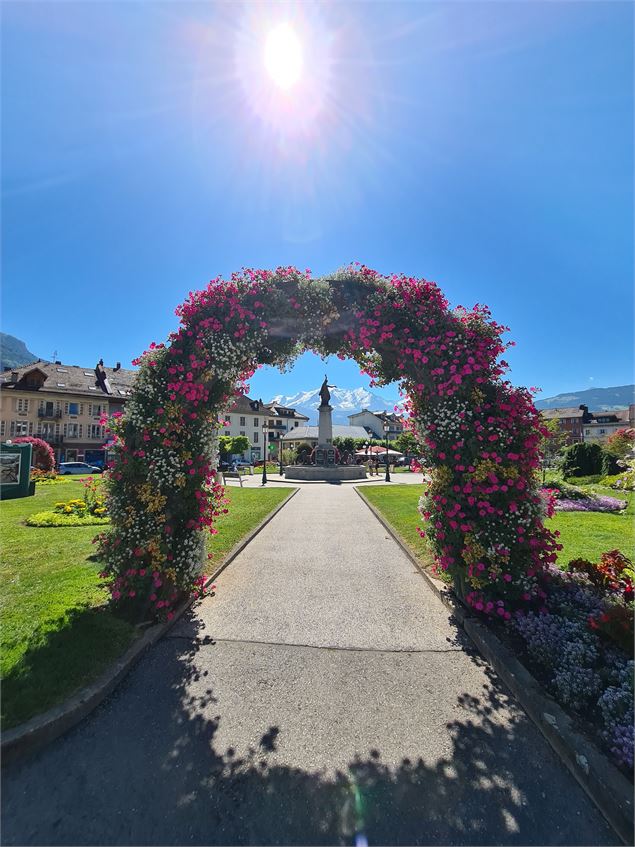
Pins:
<point x="44" y="728"/>
<point x="609" y="789"/>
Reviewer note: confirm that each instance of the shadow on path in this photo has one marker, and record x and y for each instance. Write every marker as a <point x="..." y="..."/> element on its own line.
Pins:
<point x="143" y="770"/>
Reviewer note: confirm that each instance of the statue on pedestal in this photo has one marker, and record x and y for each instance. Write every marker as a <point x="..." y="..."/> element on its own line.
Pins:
<point x="325" y="394"/>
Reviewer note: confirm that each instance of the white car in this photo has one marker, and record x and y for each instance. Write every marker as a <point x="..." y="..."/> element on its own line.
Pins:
<point x="78" y="467"/>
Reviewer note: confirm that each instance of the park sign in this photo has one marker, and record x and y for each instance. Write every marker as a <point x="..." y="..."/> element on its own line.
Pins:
<point x="15" y="471"/>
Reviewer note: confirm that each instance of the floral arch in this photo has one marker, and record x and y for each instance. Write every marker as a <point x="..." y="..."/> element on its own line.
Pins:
<point x="480" y="436"/>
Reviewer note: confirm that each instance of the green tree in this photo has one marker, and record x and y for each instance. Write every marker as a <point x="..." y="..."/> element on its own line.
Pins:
<point x="582" y="460"/>
<point x="552" y="444"/>
<point x="406" y="443"/>
<point x="344" y="444"/>
<point x="233" y="445"/>
<point x="621" y="442"/>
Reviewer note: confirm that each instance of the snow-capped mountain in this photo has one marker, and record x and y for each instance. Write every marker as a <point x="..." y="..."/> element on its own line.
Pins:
<point x="345" y="401"/>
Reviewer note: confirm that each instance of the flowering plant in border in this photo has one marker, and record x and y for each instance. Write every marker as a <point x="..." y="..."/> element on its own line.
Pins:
<point x="481" y="435"/>
<point x="582" y="641"/>
<point x="43" y="455"/>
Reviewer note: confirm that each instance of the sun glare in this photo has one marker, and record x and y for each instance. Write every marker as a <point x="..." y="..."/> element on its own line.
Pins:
<point x="283" y="56"/>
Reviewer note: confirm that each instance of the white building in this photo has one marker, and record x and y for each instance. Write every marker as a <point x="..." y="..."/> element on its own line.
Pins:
<point x="374" y="422"/>
<point x="248" y="417"/>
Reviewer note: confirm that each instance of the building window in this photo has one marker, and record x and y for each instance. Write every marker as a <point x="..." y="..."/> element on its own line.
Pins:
<point x="22" y="405"/>
<point x="71" y="408"/>
<point x="2" y="428"/>
<point x="242" y="431"/>
<point x="95" y="431"/>
<point x="242" y="423"/>
<point x="602" y="432"/>
<point x="255" y="422"/>
<point x="587" y="432"/>
<point x="255" y="441"/>
<point x="228" y="421"/>
<point x="296" y="423"/>
<point x="227" y="432"/>
<point x="19" y="428"/>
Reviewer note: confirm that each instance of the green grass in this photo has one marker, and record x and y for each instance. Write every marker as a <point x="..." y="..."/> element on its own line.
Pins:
<point x="57" y="635"/>
<point x="587" y="535"/>
<point x="582" y="534"/>
<point x="247" y="507"/>
<point x="398" y="505"/>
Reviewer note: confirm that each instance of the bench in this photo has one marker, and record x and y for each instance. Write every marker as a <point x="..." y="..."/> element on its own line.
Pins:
<point x="232" y="475"/>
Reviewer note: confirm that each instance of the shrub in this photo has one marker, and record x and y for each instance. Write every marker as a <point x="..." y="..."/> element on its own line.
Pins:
<point x="622" y="482"/>
<point x="621" y="442"/>
<point x="613" y="573"/>
<point x="43" y="456"/>
<point x="46" y="519"/>
<point x="582" y="460"/>
<point x="47" y="477"/>
<point x="609" y="463"/>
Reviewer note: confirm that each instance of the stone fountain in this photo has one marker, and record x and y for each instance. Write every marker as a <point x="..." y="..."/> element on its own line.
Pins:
<point x="324" y="466"/>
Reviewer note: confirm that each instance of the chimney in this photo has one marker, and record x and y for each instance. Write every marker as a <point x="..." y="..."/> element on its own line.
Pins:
<point x="117" y="366"/>
<point x="101" y="362"/>
<point x="57" y="362"/>
<point x="14" y="376"/>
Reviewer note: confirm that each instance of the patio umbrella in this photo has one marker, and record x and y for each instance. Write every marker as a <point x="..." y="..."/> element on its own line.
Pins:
<point x="378" y="451"/>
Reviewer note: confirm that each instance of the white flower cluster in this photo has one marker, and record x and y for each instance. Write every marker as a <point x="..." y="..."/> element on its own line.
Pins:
<point x="444" y="414"/>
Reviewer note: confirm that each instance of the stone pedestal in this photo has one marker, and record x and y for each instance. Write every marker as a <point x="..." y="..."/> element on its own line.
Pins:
<point x="325" y="425"/>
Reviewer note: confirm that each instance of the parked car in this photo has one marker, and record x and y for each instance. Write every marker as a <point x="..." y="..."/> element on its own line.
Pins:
<point x="78" y="467"/>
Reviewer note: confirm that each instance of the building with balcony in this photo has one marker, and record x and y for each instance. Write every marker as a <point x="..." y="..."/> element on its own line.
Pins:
<point x="63" y="405"/>
<point x="373" y="423"/>
<point x="604" y="424"/>
<point x="247" y="417"/>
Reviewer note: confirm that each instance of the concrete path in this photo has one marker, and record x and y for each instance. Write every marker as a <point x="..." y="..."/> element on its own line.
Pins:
<point x="323" y="697"/>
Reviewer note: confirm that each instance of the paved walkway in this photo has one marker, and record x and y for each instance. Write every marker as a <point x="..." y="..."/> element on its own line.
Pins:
<point x="323" y="696"/>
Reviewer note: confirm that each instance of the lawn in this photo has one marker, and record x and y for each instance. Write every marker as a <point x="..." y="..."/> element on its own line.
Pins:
<point x="57" y="634"/>
<point x="582" y="534"/>
<point x="398" y="504"/>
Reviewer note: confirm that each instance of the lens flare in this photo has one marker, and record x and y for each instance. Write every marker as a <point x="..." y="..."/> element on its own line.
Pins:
<point x="283" y="56"/>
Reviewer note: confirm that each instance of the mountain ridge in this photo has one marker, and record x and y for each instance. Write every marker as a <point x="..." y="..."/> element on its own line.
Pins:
<point x="596" y="399"/>
<point x="14" y="352"/>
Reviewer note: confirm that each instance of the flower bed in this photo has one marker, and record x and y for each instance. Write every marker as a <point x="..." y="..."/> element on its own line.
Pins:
<point x="622" y="482"/>
<point x="570" y="498"/>
<point x="580" y="644"/>
<point x="91" y="509"/>
<point x="50" y="519"/>
<point x="593" y="503"/>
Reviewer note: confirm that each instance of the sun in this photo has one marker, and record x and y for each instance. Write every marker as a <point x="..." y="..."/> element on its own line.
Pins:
<point x="283" y="56"/>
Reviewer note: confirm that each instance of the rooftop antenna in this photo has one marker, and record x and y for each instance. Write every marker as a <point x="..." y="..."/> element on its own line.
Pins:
<point x="54" y="354"/>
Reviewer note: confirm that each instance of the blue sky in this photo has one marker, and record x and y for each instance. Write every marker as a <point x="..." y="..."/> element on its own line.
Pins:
<point x="484" y="146"/>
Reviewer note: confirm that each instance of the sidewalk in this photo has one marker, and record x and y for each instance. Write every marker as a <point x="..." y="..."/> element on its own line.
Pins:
<point x="324" y="692"/>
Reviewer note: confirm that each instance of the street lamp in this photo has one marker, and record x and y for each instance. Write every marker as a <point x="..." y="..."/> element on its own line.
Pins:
<point x="264" y="451"/>
<point x="386" y="430"/>
<point x="280" y="454"/>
